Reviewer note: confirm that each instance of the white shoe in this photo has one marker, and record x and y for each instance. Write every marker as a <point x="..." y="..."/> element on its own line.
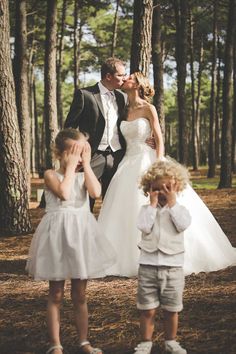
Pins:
<point x="143" y="348"/>
<point x="174" y="348"/>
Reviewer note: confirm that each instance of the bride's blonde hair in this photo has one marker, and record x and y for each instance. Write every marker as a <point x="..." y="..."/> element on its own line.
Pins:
<point x="146" y="91"/>
<point x="162" y="169"/>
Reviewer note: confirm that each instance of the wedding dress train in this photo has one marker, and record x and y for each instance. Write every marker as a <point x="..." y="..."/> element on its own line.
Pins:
<point x="207" y="248"/>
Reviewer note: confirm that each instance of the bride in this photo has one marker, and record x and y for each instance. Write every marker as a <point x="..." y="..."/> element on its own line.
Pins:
<point x="206" y="246"/>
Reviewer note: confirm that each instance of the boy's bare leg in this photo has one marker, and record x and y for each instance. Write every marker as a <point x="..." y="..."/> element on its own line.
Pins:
<point x="147" y="324"/>
<point x="170" y="324"/>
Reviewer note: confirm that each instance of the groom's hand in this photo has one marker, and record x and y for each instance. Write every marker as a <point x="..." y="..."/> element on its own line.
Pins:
<point x="151" y="142"/>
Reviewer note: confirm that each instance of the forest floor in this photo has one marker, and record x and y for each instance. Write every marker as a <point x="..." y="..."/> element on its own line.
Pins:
<point x="207" y="323"/>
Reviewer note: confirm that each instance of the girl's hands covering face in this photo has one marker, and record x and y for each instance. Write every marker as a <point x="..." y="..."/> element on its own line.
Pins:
<point x="86" y="154"/>
<point x="72" y="156"/>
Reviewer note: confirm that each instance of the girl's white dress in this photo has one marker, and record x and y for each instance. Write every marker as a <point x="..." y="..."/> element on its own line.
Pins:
<point x="67" y="243"/>
<point x="206" y="246"/>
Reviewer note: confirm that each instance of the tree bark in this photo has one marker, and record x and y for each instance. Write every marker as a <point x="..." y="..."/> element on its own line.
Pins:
<point x="226" y="140"/>
<point x="180" y="7"/>
<point x="76" y="71"/>
<point x="141" y="37"/>
<point x="218" y="104"/>
<point x="50" y="98"/>
<point x="234" y="112"/>
<point x="35" y="145"/>
<point x="35" y="148"/>
<point x="198" y="100"/>
<point x="212" y="133"/>
<point x="157" y="61"/>
<point x="21" y="82"/>
<point x="59" y="66"/>
<point x="195" y="152"/>
<point x="14" y="214"/>
<point x="115" y="27"/>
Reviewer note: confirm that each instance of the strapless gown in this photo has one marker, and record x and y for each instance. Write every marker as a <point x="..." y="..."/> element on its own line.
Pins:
<point x="207" y="248"/>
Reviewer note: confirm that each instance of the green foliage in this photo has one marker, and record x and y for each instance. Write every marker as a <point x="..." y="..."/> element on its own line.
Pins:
<point x="68" y="90"/>
<point x="95" y="24"/>
<point x="101" y="33"/>
<point x="209" y="183"/>
<point x="40" y="100"/>
<point x="95" y="20"/>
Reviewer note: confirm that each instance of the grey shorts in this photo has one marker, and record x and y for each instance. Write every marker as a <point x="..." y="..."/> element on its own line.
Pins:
<point x="160" y="286"/>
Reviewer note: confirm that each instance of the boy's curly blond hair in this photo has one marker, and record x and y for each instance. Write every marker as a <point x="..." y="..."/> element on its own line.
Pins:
<point x="165" y="168"/>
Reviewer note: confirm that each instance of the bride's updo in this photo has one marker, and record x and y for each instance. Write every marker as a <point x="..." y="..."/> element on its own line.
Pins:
<point x="146" y="91"/>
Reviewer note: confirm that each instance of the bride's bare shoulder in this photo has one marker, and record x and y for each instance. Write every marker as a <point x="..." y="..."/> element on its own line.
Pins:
<point x="151" y="110"/>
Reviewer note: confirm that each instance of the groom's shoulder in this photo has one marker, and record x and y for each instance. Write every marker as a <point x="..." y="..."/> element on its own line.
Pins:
<point x="90" y="89"/>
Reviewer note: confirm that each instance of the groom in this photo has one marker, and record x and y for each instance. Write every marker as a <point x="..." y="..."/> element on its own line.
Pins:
<point x="97" y="110"/>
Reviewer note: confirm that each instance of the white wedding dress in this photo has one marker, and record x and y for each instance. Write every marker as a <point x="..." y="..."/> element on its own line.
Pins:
<point x="206" y="246"/>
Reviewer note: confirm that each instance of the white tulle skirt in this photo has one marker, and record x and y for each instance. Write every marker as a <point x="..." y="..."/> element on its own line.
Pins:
<point x="67" y="244"/>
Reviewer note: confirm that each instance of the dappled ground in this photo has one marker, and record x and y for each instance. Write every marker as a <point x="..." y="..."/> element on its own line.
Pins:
<point x="207" y="323"/>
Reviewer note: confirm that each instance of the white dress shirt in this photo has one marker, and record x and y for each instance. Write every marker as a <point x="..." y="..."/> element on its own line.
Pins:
<point x="145" y="223"/>
<point x="110" y="134"/>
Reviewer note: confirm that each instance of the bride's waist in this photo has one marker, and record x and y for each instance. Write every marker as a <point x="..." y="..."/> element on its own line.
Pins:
<point x="137" y="148"/>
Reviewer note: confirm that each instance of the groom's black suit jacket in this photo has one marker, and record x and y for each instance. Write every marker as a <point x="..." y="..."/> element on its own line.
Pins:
<point x="86" y="113"/>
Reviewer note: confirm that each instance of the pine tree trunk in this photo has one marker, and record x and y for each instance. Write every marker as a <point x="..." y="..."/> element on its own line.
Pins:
<point x="59" y="66"/>
<point x="21" y="82"/>
<point x="218" y="104"/>
<point x="76" y="73"/>
<point x="157" y="61"/>
<point x="234" y="114"/>
<point x="194" y="130"/>
<point x="212" y="133"/>
<point x="33" y="137"/>
<point x="14" y="214"/>
<point x="226" y="140"/>
<point x="38" y="152"/>
<point x="31" y="99"/>
<point x="35" y="150"/>
<point x="141" y="37"/>
<point x="115" y="28"/>
<point x="50" y="99"/>
<point x="42" y="149"/>
<point x="198" y="101"/>
<point x="180" y="7"/>
<point x="35" y="146"/>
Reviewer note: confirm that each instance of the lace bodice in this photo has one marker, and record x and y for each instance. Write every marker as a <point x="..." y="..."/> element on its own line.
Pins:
<point x="135" y="133"/>
<point x="78" y="198"/>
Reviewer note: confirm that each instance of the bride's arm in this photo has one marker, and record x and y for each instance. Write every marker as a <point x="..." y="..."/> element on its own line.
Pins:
<point x="155" y="125"/>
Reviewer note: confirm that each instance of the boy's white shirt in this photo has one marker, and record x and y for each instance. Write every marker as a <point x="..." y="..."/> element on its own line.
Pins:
<point x="146" y="220"/>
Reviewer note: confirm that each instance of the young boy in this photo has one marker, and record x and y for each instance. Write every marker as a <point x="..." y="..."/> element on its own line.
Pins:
<point x="160" y="277"/>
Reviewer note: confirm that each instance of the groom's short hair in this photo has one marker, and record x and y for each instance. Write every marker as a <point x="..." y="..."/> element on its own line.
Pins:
<point x="110" y="66"/>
